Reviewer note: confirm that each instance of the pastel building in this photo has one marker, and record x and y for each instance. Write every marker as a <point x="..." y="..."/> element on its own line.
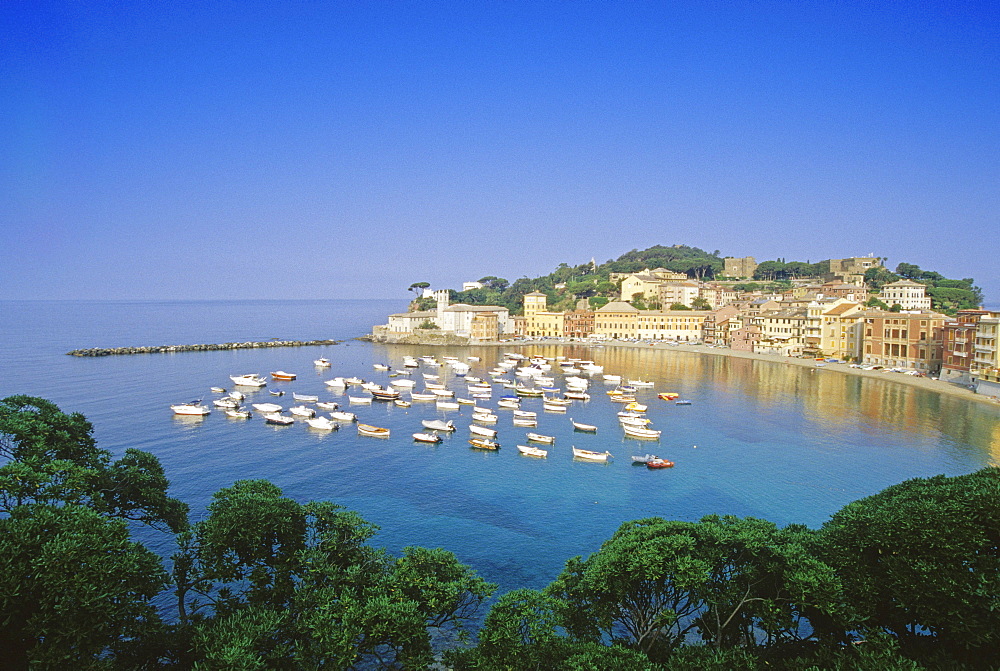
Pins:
<point x="903" y="339"/>
<point x="907" y="294"/>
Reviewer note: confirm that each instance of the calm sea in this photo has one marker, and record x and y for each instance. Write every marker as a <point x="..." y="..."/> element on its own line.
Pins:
<point x="762" y="439"/>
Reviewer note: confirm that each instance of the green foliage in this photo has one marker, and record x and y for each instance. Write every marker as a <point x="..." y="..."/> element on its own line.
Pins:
<point x="421" y="304"/>
<point x="874" y="302"/>
<point x="598" y="302"/>
<point x="521" y="633"/>
<point x="877" y="277"/>
<point x="52" y="459"/>
<point x="780" y="270"/>
<point x="296" y="586"/>
<point x="700" y="303"/>
<point x="947" y="296"/>
<point x="679" y="306"/>
<point x="73" y="587"/>
<point x="428" y="325"/>
<point x="921" y="560"/>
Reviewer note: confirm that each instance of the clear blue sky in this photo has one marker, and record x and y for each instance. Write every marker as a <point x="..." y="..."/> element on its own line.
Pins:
<point x="349" y="149"/>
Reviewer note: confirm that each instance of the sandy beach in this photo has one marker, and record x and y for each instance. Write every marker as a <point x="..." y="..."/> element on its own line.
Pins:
<point x="930" y="384"/>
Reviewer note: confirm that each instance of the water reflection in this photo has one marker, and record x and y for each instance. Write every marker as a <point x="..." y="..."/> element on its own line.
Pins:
<point x="750" y="396"/>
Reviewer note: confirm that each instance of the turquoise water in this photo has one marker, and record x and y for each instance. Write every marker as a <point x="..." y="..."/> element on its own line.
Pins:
<point x="763" y="439"/>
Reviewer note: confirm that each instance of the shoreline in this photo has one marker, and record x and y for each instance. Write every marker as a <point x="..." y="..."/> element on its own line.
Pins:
<point x="926" y="383"/>
<point x="939" y="386"/>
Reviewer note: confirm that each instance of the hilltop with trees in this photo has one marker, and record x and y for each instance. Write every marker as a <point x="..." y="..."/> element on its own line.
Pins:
<point x="566" y="286"/>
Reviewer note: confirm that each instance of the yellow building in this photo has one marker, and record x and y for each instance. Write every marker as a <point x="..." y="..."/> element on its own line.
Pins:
<point x="617" y="319"/>
<point x="840" y="332"/>
<point x="683" y="325"/>
<point x="538" y="321"/>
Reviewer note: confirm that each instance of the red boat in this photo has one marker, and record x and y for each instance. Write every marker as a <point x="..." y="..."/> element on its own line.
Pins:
<point x="659" y="463"/>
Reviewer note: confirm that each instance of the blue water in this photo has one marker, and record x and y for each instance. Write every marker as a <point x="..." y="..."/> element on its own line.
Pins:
<point x="764" y="439"/>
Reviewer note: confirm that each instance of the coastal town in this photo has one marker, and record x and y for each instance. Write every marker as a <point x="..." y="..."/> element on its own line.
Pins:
<point x="833" y="317"/>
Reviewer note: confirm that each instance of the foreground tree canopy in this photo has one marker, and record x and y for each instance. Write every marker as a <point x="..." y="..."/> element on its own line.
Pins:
<point x="907" y="578"/>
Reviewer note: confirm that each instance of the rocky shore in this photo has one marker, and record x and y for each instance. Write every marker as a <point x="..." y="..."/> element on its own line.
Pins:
<point x="167" y="349"/>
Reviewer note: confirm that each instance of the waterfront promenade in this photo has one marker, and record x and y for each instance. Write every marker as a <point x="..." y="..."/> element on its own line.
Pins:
<point x="930" y="384"/>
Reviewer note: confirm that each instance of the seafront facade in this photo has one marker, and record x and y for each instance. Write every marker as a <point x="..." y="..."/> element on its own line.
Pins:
<point x="826" y="320"/>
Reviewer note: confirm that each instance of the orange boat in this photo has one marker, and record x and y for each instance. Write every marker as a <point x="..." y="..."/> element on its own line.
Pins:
<point x="282" y="375"/>
<point x="659" y="463"/>
<point x="667" y="396"/>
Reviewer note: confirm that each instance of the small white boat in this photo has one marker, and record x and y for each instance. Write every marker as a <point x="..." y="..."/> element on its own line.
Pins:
<point x="267" y="407"/>
<point x="239" y="413"/>
<point x="305" y="398"/>
<point x="644" y="459"/>
<point x="380" y="366"/>
<point x="250" y="380"/>
<point x="525" y="413"/>
<point x="532" y="451"/>
<point x="583" y="427"/>
<point x="465" y="401"/>
<point x="353" y="380"/>
<point x="525" y="421"/>
<point x="508" y="403"/>
<point x="276" y="393"/>
<point x="327" y="405"/>
<point x="485" y="417"/>
<point x="360" y="400"/>
<point x="633" y="421"/>
<point x="374" y="431"/>
<point x="447" y="405"/>
<point x="641" y="432"/>
<point x="226" y="402"/>
<point x="443" y="393"/>
<point x="614" y="379"/>
<point x="407" y="384"/>
<point x="278" y="419"/>
<point x="322" y="362"/>
<point x="484" y="444"/>
<point x="640" y="383"/>
<point x="558" y="401"/>
<point x="336" y="382"/>
<point x="401" y="403"/>
<point x="591" y="456"/>
<point x="422" y="397"/>
<point x="192" y="408"/>
<point x="341" y="416"/>
<point x="238" y="395"/>
<point x="553" y="407"/>
<point x="482" y="431"/>
<point x="539" y="438"/>
<point x="302" y="411"/>
<point x="438" y="424"/>
<point x="322" y="424"/>
<point x="427" y="437"/>
<point x="217" y="390"/>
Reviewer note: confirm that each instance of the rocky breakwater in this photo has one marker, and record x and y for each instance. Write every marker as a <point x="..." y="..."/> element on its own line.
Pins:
<point x="167" y="349"/>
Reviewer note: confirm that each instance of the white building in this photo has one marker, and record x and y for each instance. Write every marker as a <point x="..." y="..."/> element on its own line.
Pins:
<point x="908" y="294"/>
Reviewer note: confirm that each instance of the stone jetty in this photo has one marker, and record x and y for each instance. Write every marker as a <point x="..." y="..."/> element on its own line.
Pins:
<point x="167" y="349"/>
